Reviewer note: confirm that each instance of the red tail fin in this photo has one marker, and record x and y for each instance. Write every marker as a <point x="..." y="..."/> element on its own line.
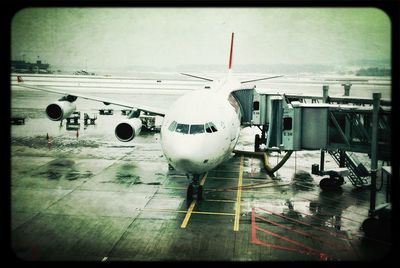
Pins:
<point x="230" y="54"/>
<point x="19" y="79"/>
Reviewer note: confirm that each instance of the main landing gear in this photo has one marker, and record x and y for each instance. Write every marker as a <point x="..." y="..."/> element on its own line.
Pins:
<point x="194" y="189"/>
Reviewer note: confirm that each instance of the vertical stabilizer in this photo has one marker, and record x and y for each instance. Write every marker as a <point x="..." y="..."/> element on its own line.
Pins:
<point x="230" y="54"/>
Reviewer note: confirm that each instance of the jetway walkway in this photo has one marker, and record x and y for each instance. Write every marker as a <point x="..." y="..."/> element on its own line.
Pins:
<point x="351" y="129"/>
<point x="338" y="125"/>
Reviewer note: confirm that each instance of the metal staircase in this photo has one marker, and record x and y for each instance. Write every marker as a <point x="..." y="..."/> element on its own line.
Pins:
<point x="357" y="171"/>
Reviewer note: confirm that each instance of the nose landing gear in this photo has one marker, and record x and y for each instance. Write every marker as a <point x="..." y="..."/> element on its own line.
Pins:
<point x="194" y="189"/>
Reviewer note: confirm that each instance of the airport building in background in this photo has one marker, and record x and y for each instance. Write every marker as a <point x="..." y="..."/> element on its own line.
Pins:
<point x="22" y="66"/>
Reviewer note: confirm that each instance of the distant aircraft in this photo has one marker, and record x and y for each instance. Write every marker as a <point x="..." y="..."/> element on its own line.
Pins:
<point x="199" y="130"/>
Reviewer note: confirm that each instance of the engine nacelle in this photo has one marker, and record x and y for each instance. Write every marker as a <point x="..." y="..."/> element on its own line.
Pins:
<point x="128" y="129"/>
<point x="60" y="110"/>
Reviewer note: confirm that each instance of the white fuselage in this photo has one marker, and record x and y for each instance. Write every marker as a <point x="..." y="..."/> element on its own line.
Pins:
<point x="202" y="128"/>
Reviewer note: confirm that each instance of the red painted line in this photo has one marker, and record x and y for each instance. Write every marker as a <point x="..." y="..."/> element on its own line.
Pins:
<point x="321" y="255"/>
<point x="334" y="207"/>
<point x="306" y="224"/>
<point x="325" y="214"/>
<point x="311" y="250"/>
<point x="308" y="251"/>
<point x="302" y="233"/>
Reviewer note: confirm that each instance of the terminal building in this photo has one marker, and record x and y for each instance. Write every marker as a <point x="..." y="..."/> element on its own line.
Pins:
<point x="22" y="66"/>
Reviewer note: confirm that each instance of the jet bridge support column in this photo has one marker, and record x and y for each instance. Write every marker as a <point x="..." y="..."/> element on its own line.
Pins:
<point x="258" y="141"/>
<point x="374" y="147"/>
<point x="325" y="94"/>
<point x="322" y="161"/>
<point x="378" y="223"/>
<point x="264" y="130"/>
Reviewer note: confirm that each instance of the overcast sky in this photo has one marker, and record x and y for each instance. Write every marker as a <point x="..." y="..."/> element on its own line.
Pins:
<point x="122" y="37"/>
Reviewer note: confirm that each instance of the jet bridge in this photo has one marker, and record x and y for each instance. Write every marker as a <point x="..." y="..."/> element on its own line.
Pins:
<point x="245" y="98"/>
<point x="336" y="125"/>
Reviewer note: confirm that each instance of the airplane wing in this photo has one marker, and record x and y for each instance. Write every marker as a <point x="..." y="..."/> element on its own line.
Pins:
<point x="198" y="77"/>
<point x="152" y="110"/>
<point x="259" y="79"/>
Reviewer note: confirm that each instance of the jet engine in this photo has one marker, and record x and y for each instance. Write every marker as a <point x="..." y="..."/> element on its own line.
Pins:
<point x="60" y="110"/>
<point x="128" y="129"/>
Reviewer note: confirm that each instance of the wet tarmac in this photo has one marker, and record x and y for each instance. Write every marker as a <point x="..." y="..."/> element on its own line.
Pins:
<point x="91" y="197"/>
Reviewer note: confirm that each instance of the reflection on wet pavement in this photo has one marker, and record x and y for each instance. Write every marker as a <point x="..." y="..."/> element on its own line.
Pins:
<point x="62" y="169"/>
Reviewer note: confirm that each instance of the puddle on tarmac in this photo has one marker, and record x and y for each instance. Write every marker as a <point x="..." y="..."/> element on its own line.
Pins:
<point x="126" y="175"/>
<point x="62" y="169"/>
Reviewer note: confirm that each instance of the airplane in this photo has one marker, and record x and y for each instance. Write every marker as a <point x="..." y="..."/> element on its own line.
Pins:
<point x="199" y="130"/>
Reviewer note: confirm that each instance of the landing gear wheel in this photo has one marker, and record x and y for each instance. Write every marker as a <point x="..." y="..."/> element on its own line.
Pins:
<point x="200" y="193"/>
<point x="330" y="184"/>
<point x="189" y="194"/>
<point x="370" y="226"/>
<point x="376" y="229"/>
<point x="379" y="226"/>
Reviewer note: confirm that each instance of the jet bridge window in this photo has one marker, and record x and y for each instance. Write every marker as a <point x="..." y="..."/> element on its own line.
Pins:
<point x="210" y="127"/>
<point x="287" y="123"/>
<point x="194" y="129"/>
<point x="256" y="106"/>
<point x="172" y="126"/>
<point x="182" y="128"/>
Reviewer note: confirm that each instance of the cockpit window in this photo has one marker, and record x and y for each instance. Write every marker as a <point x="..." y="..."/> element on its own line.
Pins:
<point x="210" y="127"/>
<point x="172" y="126"/>
<point x="194" y="129"/>
<point x="182" y="128"/>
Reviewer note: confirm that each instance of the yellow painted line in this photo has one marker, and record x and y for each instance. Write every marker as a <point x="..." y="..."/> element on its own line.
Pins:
<point x="191" y="207"/>
<point x="185" y="211"/>
<point x="176" y="176"/>
<point x="213" y="213"/>
<point x="204" y="179"/>
<point x="163" y="210"/>
<point x="188" y="214"/>
<point x="245" y="179"/>
<point x="220" y="200"/>
<point x="238" y="197"/>
<point x="174" y="188"/>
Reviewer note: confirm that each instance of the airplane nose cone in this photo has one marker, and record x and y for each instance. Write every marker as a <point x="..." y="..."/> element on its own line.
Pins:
<point x="185" y="160"/>
<point x="185" y="157"/>
<point x="186" y="165"/>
